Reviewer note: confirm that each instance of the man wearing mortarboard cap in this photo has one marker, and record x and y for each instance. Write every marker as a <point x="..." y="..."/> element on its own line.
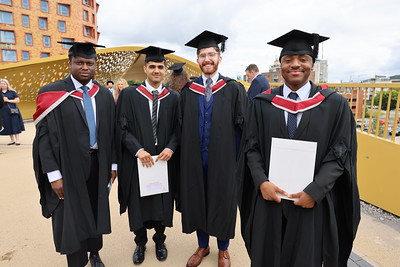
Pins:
<point x="315" y="226"/>
<point x="73" y="153"/>
<point x="146" y="123"/>
<point x="178" y="78"/>
<point x="212" y="110"/>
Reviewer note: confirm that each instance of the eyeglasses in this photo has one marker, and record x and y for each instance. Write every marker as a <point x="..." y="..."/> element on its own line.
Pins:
<point x="210" y="55"/>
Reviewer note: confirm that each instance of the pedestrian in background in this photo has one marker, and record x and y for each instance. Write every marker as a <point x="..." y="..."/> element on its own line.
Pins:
<point x="120" y="84"/>
<point x="258" y="84"/>
<point x="178" y="77"/>
<point x="110" y="87"/>
<point x="12" y="119"/>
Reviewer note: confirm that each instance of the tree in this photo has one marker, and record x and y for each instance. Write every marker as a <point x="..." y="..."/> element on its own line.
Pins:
<point x="385" y="98"/>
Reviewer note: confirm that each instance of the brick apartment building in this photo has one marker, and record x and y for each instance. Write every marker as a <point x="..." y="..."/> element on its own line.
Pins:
<point x="30" y="29"/>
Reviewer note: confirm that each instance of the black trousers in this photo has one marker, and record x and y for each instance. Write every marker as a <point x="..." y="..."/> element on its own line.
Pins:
<point x="94" y="244"/>
<point x="141" y="234"/>
<point x="80" y="258"/>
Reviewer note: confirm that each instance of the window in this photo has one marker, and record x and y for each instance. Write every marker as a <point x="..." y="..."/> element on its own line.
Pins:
<point x="7" y="2"/>
<point x="67" y="40"/>
<point x="63" y="9"/>
<point x="25" y="55"/>
<point x="25" y="4"/>
<point x="44" y="54"/>
<point x="7" y="37"/>
<point x="25" y="20"/>
<point x="6" y="17"/>
<point x="85" y="2"/>
<point x="87" y="31"/>
<point x="46" y="41"/>
<point x="61" y="26"/>
<point x="85" y="15"/>
<point x="44" y="6"/>
<point x="43" y="23"/>
<point x="9" y="55"/>
<point x="28" y="39"/>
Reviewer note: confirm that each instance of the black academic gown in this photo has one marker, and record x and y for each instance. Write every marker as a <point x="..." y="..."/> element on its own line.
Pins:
<point x="326" y="232"/>
<point x="62" y="142"/>
<point x="212" y="209"/>
<point x="134" y="131"/>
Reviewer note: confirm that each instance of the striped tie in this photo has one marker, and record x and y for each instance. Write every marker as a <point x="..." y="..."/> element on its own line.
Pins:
<point x="292" y="119"/>
<point x="208" y="89"/>
<point x="89" y="113"/>
<point x="154" y="115"/>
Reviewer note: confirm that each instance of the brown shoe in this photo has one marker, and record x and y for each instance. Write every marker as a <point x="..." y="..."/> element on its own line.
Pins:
<point x="197" y="257"/>
<point x="223" y="258"/>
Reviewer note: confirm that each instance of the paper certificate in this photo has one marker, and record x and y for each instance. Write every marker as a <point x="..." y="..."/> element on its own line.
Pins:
<point x="292" y="164"/>
<point x="153" y="180"/>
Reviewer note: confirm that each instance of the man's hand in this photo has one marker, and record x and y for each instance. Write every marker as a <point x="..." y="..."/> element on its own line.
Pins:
<point x="269" y="190"/>
<point x="113" y="176"/>
<point x="145" y="158"/>
<point x="304" y="200"/>
<point x="58" y="187"/>
<point x="165" y="155"/>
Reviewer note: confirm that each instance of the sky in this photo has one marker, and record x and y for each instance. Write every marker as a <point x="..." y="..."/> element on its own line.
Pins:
<point x="364" y="39"/>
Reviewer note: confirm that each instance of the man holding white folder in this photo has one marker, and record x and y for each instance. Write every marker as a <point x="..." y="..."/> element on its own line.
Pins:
<point x="302" y="133"/>
<point x="146" y="121"/>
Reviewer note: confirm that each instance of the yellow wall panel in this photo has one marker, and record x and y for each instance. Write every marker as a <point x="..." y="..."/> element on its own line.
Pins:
<point x="379" y="172"/>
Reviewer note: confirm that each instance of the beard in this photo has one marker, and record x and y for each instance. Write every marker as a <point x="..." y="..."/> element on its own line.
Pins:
<point x="209" y="68"/>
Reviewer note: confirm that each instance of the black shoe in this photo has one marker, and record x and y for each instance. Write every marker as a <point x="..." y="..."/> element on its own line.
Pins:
<point x="161" y="252"/>
<point x="10" y="144"/>
<point x="95" y="260"/>
<point x="138" y="255"/>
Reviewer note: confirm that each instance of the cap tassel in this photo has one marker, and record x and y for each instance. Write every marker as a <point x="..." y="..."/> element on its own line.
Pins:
<point x="223" y="46"/>
<point x="316" y="45"/>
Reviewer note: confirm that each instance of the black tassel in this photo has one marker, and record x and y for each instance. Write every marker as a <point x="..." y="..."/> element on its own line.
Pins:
<point x="223" y="46"/>
<point x="316" y="45"/>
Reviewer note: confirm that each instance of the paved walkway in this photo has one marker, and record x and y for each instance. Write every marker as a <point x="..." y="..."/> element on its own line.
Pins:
<point x="26" y="238"/>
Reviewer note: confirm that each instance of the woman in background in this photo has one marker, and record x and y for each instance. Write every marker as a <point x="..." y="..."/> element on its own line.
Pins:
<point x="118" y="87"/>
<point x="12" y="123"/>
<point x="178" y="77"/>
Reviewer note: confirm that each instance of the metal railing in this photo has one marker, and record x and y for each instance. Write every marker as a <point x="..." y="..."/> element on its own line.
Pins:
<point x="376" y="119"/>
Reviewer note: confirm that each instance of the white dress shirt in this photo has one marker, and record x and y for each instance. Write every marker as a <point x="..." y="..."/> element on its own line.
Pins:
<point x="56" y="175"/>
<point x="213" y="78"/>
<point x="302" y="94"/>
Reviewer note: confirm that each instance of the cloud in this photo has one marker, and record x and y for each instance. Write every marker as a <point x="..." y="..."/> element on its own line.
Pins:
<point x="364" y="36"/>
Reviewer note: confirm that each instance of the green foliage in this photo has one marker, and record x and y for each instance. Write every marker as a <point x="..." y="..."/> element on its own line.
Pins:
<point x="134" y="82"/>
<point x="385" y="99"/>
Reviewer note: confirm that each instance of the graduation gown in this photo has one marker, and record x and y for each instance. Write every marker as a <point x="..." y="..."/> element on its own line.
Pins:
<point x="324" y="233"/>
<point x="211" y="206"/>
<point x="62" y="143"/>
<point x="134" y="131"/>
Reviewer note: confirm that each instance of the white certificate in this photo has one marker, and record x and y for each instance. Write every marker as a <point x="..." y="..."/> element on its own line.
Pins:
<point x="153" y="180"/>
<point x="292" y="164"/>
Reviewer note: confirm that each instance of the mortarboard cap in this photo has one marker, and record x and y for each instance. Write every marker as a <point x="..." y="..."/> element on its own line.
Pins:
<point x="85" y="50"/>
<point x="177" y="67"/>
<point x="298" y="42"/>
<point x="155" y="54"/>
<point x="208" y="39"/>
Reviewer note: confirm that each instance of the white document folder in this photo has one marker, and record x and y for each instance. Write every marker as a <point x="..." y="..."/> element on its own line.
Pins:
<point x="292" y="164"/>
<point x="154" y="180"/>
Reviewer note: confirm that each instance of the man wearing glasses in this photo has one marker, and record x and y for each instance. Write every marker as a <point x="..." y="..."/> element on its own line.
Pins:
<point x="212" y="110"/>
